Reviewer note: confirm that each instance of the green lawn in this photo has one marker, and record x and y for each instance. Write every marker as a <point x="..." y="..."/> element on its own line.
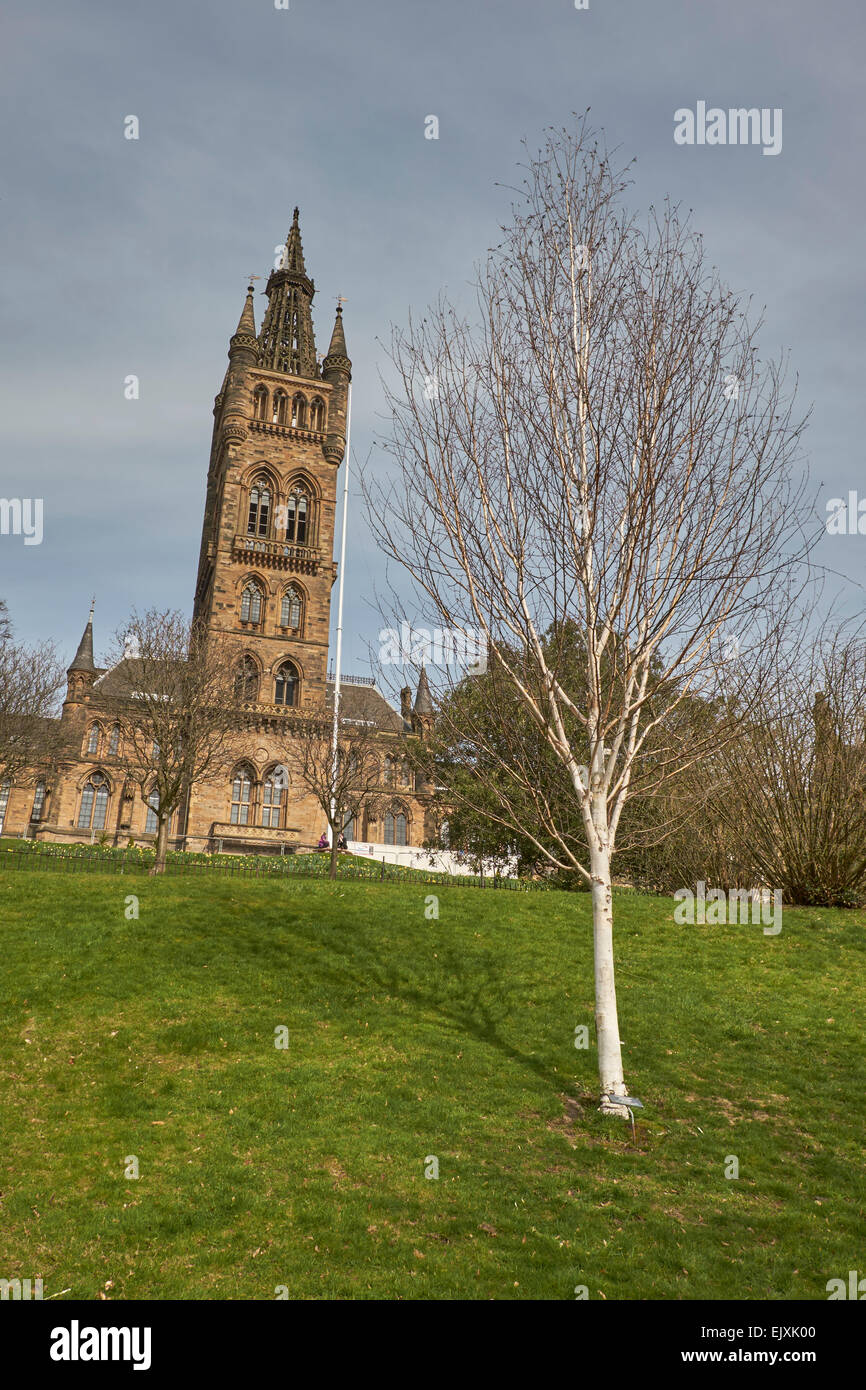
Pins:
<point x="411" y="1038"/>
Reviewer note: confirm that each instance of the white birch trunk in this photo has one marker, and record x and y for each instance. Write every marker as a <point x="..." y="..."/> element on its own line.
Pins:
<point x="606" y="1017"/>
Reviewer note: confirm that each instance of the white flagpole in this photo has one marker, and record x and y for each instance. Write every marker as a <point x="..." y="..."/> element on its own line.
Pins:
<point x="339" y="653"/>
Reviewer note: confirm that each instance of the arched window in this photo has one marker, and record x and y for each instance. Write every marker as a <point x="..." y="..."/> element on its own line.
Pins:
<point x="260" y="403"/>
<point x="396" y="826"/>
<point x="151" y="824"/>
<point x="389" y="772"/>
<point x="273" y="792"/>
<point x="5" y="788"/>
<point x="349" y="828"/>
<point x="299" y="412"/>
<point x="247" y="680"/>
<point x="114" y="741"/>
<point x="38" y="801"/>
<point x="94" y="803"/>
<point x="317" y="415"/>
<point x="297" y="517"/>
<point x="259" y="516"/>
<point x="251" y="603"/>
<point x="242" y="797"/>
<point x="93" y="739"/>
<point x="280" y="404"/>
<point x="405" y="774"/>
<point x="291" y="609"/>
<point x="286" y="686"/>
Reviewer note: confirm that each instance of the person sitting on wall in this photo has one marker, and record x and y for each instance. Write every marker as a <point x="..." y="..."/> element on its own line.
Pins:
<point x="341" y="842"/>
<point x="323" y="840"/>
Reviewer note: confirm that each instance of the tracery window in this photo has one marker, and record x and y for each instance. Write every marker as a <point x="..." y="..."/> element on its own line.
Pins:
<point x="273" y="791"/>
<point x="286" y="685"/>
<point x="242" y="797"/>
<point x="396" y="826"/>
<point x="297" y="517"/>
<point x="38" y="801"/>
<point x="251" y="603"/>
<point x="291" y="609"/>
<point x="247" y="680"/>
<point x="94" y="803"/>
<point x="259" y="516"/>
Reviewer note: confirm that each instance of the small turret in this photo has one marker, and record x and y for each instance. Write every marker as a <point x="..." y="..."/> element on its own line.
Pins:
<point x="243" y="354"/>
<point x="82" y="672"/>
<point x="337" y="369"/>
<point x="423" y="709"/>
<point x="406" y="708"/>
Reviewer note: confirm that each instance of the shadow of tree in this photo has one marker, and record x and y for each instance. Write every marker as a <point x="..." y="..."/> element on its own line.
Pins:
<point x="474" y="996"/>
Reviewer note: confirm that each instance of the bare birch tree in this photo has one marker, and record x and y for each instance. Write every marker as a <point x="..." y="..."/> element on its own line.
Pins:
<point x="345" y="785"/>
<point x="600" y="444"/>
<point x="177" y="698"/>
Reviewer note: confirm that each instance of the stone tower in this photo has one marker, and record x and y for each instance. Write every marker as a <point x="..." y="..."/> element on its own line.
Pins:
<point x="266" y="564"/>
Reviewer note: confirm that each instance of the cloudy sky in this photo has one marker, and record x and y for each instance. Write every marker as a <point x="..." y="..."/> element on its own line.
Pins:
<point x="128" y="257"/>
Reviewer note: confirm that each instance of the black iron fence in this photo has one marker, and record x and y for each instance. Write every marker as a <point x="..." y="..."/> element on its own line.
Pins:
<point x="312" y="865"/>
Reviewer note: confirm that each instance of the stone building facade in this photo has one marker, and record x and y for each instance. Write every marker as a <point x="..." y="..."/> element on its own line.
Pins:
<point x="265" y="577"/>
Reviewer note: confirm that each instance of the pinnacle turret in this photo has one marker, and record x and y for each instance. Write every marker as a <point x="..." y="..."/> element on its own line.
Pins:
<point x="423" y="699"/>
<point x="338" y="338"/>
<point x="337" y="370"/>
<point x="247" y="320"/>
<point x="243" y="344"/>
<point x="83" y="659"/>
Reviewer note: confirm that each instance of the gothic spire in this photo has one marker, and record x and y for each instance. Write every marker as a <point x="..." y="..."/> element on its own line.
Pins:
<point x="294" y="255"/>
<point x="338" y="337"/>
<point x="243" y="343"/>
<point x="83" y="659"/>
<point x="337" y="369"/>
<point x="286" y="341"/>
<point x="423" y="700"/>
<point x="247" y="320"/>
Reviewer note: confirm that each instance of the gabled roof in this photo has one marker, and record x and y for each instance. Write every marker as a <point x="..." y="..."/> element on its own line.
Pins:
<point x="123" y="680"/>
<point x="365" y="702"/>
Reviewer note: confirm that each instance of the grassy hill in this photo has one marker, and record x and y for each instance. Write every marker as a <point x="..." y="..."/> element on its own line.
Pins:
<point x="411" y="1038"/>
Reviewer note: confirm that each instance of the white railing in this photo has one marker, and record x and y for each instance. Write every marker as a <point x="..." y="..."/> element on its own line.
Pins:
<point x="414" y="857"/>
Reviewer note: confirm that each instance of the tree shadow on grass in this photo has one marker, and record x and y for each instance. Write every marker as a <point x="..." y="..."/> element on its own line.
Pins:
<point x="474" y="996"/>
